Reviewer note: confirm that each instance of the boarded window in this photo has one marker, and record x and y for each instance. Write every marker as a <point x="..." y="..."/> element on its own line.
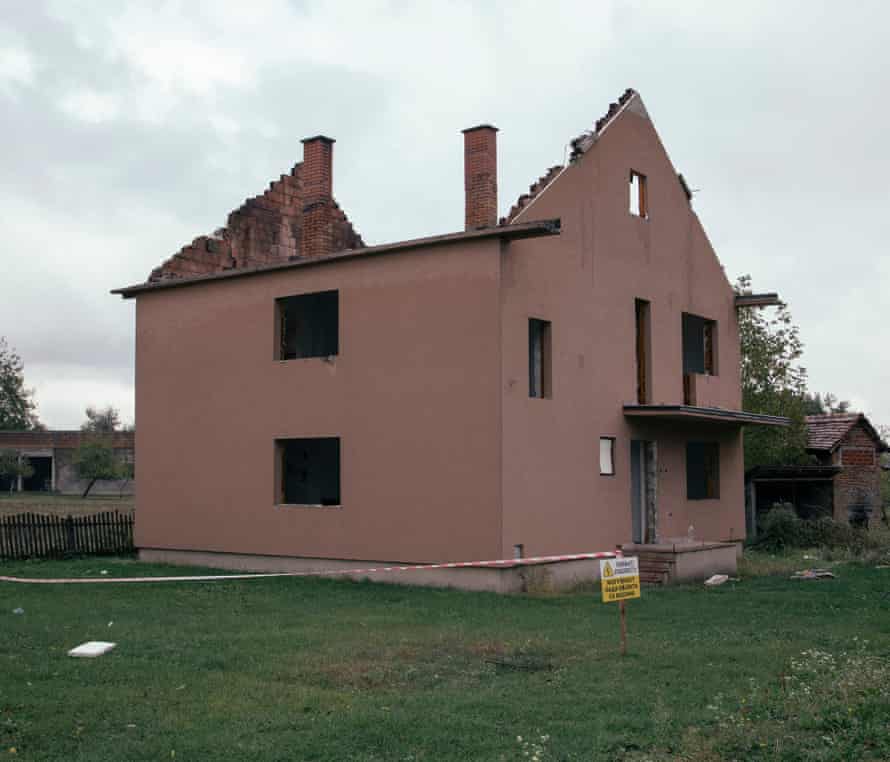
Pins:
<point x="702" y="470"/>
<point x="539" y="358"/>
<point x="607" y="456"/>
<point x="308" y="325"/>
<point x="699" y="345"/>
<point x="637" y="199"/>
<point x="642" y="339"/>
<point x="309" y="471"/>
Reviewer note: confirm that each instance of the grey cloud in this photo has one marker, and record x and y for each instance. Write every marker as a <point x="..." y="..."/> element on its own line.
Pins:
<point x="774" y="111"/>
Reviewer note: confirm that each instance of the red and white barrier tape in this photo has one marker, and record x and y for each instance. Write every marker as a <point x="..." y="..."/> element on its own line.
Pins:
<point x="504" y="562"/>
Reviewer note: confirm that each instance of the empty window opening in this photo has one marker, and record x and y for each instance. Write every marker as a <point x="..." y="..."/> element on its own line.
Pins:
<point x="607" y="456"/>
<point x="699" y="345"/>
<point x="539" y="358"/>
<point x="702" y="470"/>
<point x="309" y="471"/>
<point x="308" y="325"/>
<point x="644" y="394"/>
<point x="638" y="201"/>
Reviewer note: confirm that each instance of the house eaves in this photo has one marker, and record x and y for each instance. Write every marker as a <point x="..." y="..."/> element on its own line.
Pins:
<point x="504" y="232"/>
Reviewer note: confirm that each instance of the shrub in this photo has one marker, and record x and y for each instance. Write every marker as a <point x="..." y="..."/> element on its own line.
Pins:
<point x="782" y="528"/>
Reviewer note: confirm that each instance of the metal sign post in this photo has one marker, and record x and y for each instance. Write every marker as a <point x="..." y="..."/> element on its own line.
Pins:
<point x="620" y="578"/>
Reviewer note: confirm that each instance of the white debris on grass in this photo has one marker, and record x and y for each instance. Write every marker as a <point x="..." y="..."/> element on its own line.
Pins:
<point x="716" y="579"/>
<point x="813" y="574"/>
<point x="91" y="649"/>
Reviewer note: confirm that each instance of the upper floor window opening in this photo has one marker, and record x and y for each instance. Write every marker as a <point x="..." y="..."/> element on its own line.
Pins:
<point x="539" y="358"/>
<point x="699" y="345"/>
<point x="638" y="200"/>
<point x="308" y="325"/>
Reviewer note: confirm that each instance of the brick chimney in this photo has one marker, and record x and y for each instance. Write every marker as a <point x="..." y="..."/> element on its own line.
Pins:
<point x="316" y="235"/>
<point x="481" y="176"/>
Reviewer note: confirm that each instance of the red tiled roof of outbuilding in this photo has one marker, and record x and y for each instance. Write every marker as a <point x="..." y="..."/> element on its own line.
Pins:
<point x="825" y="432"/>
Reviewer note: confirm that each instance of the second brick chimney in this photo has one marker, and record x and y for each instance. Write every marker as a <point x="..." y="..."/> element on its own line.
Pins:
<point x="316" y="235"/>
<point x="481" y="176"/>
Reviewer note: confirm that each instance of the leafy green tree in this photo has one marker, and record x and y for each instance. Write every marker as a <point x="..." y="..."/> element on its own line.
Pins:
<point x="822" y="404"/>
<point x="101" y="420"/>
<point x="95" y="459"/>
<point x="12" y="467"/>
<point x="18" y="411"/>
<point x="773" y="383"/>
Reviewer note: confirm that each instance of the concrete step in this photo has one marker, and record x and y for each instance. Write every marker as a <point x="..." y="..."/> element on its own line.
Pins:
<point x="659" y="557"/>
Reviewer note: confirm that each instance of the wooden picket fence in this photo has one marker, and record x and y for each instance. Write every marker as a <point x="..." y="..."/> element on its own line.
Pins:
<point x="33" y="535"/>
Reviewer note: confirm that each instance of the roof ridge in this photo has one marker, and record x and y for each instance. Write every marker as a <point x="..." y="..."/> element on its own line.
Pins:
<point x="582" y="142"/>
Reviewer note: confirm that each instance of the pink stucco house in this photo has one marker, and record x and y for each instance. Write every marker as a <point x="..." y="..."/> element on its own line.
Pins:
<point x="563" y="379"/>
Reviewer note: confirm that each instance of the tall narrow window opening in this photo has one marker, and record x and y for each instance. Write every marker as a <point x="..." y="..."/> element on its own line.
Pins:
<point x="309" y="471"/>
<point x="607" y="456"/>
<point x="638" y="202"/>
<point x="702" y="470"/>
<point x="308" y="325"/>
<point x="539" y="358"/>
<point x="644" y="392"/>
<point x="699" y="345"/>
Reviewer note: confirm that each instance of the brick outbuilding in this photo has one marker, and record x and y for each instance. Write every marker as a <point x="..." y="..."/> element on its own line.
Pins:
<point x="850" y="443"/>
<point x="51" y="455"/>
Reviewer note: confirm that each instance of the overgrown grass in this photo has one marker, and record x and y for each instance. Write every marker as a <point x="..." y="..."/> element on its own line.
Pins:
<point x="310" y="669"/>
<point x="783" y="547"/>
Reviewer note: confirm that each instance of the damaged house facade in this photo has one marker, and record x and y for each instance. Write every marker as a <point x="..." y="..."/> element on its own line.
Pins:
<point x="564" y="379"/>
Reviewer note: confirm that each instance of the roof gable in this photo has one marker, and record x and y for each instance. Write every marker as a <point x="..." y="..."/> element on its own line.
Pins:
<point x="826" y="432"/>
<point x="264" y="230"/>
<point x="629" y="100"/>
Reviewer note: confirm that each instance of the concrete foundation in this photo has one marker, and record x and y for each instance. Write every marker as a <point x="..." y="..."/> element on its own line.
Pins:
<point x="542" y="577"/>
<point x="686" y="562"/>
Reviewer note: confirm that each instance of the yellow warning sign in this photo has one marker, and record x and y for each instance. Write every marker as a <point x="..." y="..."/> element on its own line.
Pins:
<point x="620" y="579"/>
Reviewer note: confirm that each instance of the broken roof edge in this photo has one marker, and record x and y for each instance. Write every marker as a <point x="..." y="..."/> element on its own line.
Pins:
<point x="582" y="143"/>
<point x="538" y="228"/>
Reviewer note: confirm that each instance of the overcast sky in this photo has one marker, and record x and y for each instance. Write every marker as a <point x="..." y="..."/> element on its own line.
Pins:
<point x="130" y="128"/>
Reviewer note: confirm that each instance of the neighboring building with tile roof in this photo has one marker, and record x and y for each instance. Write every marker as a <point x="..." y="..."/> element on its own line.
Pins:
<point x="849" y="442"/>
<point x="565" y="380"/>
<point x="51" y="455"/>
<point x="825" y="433"/>
<point x="844" y="481"/>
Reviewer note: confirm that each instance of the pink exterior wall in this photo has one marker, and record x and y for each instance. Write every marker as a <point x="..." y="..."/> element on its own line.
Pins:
<point x="413" y="395"/>
<point x="444" y="455"/>
<point x="585" y="282"/>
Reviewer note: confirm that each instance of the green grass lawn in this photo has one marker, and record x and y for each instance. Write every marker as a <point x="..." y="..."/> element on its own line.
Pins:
<point x="308" y="669"/>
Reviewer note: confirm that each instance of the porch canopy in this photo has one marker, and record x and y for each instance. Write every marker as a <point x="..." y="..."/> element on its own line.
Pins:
<point x="691" y="414"/>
